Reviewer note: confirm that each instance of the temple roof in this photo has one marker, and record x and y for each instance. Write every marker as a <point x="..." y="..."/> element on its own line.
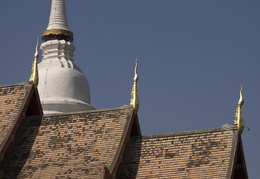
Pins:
<point x="194" y="154"/>
<point x="106" y="143"/>
<point x="68" y="145"/>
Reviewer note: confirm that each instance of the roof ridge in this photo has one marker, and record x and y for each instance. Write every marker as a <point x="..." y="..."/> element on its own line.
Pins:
<point x="89" y="111"/>
<point x="18" y="84"/>
<point x="185" y="133"/>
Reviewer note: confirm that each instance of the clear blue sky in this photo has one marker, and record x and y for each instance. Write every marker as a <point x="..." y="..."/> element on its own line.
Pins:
<point x="192" y="57"/>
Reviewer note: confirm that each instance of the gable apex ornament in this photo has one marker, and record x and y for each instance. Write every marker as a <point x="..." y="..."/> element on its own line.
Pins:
<point x="134" y="101"/>
<point x="34" y="76"/>
<point x="239" y="122"/>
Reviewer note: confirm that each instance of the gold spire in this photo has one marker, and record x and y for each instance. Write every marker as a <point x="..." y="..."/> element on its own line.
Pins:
<point x="239" y="122"/>
<point x="134" y="101"/>
<point x="34" y="76"/>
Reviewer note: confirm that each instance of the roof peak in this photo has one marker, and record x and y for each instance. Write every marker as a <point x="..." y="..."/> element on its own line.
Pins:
<point x="239" y="122"/>
<point x="134" y="101"/>
<point x="34" y="76"/>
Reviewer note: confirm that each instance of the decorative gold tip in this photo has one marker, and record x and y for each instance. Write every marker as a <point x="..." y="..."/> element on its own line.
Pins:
<point x="34" y="76"/>
<point x="239" y="122"/>
<point x="241" y="99"/>
<point x="134" y="101"/>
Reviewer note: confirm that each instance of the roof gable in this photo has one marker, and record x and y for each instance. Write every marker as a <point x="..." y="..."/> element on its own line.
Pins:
<point x="69" y="145"/>
<point x="239" y="166"/>
<point x="194" y="154"/>
<point x="14" y="100"/>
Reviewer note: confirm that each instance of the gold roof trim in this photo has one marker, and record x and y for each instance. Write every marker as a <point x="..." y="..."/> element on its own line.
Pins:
<point x="134" y="101"/>
<point x="57" y="32"/>
<point x="239" y="122"/>
<point x="34" y="76"/>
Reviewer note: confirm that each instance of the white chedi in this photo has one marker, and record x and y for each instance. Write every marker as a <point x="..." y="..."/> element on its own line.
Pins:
<point x="62" y="86"/>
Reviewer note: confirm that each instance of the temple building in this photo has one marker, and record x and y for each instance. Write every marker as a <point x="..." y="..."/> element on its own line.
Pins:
<point x="50" y="130"/>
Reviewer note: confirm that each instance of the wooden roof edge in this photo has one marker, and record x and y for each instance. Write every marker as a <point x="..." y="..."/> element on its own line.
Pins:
<point x="124" y="139"/>
<point x="20" y="116"/>
<point x="233" y="155"/>
<point x="239" y="168"/>
<point x="244" y="160"/>
<point x="106" y="173"/>
<point x="243" y="155"/>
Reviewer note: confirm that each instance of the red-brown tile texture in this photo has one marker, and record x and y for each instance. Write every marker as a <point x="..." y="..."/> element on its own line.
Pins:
<point x="12" y="99"/>
<point x="196" y="154"/>
<point x="66" y="146"/>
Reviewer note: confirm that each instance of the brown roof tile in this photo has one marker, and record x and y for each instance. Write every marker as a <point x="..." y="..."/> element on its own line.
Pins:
<point x="13" y="100"/>
<point x="70" y="145"/>
<point x="194" y="154"/>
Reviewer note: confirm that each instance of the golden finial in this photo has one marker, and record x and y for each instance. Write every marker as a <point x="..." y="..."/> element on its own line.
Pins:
<point x="239" y="122"/>
<point x="134" y="101"/>
<point x="34" y="76"/>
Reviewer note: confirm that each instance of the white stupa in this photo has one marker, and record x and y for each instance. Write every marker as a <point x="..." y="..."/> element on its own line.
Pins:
<point x="62" y="86"/>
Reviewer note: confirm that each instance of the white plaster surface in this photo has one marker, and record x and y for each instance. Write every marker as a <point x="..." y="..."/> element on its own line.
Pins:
<point x="62" y="86"/>
<point x="58" y="15"/>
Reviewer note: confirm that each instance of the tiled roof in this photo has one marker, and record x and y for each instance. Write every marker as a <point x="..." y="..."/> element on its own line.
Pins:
<point x="76" y="145"/>
<point x="91" y="144"/>
<point x="194" y="154"/>
<point x="13" y="99"/>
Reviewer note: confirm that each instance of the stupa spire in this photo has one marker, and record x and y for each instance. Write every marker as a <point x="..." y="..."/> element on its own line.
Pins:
<point x="58" y="23"/>
<point x="58" y="16"/>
